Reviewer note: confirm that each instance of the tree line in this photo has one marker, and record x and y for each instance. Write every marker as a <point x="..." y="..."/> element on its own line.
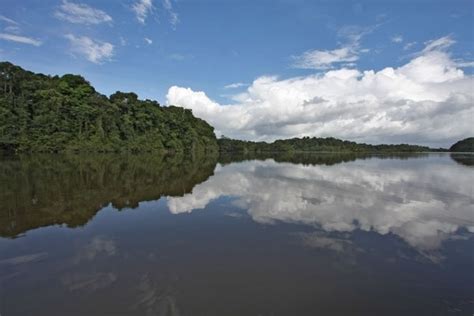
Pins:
<point x="315" y="144"/>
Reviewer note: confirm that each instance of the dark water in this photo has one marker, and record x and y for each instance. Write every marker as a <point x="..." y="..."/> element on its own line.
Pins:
<point x="298" y="235"/>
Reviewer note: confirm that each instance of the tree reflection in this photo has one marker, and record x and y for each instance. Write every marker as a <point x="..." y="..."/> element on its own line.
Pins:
<point x="44" y="190"/>
<point x="466" y="159"/>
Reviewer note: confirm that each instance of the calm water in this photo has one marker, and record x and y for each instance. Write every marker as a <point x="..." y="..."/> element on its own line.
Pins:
<point x="298" y="235"/>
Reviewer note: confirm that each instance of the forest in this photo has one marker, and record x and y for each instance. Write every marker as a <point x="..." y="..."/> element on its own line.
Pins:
<point x="315" y="144"/>
<point x="465" y="145"/>
<point x="40" y="113"/>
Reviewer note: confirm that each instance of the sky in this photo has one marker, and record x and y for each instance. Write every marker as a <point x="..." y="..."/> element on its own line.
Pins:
<point x="370" y="71"/>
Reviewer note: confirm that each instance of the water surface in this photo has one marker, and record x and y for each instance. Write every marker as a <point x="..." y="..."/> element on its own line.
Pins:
<point x="293" y="235"/>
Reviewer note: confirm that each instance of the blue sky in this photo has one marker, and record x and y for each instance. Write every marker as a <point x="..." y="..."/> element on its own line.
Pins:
<point x="148" y="46"/>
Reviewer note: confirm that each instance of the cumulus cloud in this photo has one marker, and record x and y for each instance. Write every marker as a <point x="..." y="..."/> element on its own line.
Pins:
<point x="428" y="100"/>
<point x="80" y="13"/>
<point x="20" y="39"/>
<point x="142" y="8"/>
<point x="93" y="50"/>
<point x="423" y="203"/>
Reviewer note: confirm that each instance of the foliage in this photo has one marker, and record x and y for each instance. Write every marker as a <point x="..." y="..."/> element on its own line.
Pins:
<point x="465" y="145"/>
<point x="50" y="114"/>
<point x="314" y="144"/>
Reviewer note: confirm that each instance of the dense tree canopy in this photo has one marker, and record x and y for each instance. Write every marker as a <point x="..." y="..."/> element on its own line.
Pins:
<point x="44" y="113"/>
<point x="313" y="144"/>
<point x="465" y="145"/>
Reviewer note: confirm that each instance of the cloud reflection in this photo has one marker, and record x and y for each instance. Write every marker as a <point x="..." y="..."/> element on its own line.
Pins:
<point x="423" y="201"/>
<point x="99" y="245"/>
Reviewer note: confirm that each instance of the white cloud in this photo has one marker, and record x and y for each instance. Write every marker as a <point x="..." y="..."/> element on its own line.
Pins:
<point x="20" y="39"/>
<point x="142" y="9"/>
<point x="174" y="19"/>
<point x="439" y="44"/>
<point x="11" y="26"/>
<point x="148" y="41"/>
<point x="442" y="44"/>
<point x="324" y="59"/>
<point x="427" y="101"/>
<point x="80" y="13"/>
<point x="465" y="64"/>
<point x="235" y="85"/>
<point x="397" y="39"/>
<point x="8" y="20"/>
<point x="346" y="54"/>
<point x="173" y="16"/>
<point x="12" y="29"/>
<point x="407" y="46"/>
<point x="93" y="50"/>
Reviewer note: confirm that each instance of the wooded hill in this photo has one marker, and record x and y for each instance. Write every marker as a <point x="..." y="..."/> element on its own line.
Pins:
<point x="50" y="113"/>
<point x="465" y="145"/>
